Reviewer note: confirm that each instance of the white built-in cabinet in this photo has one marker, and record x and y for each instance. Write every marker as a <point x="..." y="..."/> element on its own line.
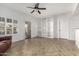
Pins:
<point x="7" y="26"/>
<point x="77" y="37"/>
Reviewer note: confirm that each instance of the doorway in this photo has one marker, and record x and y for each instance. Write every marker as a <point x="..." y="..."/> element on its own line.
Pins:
<point x="27" y="30"/>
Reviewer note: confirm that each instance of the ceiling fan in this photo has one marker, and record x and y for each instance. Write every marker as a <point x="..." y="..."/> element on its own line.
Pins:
<point x="36" y="8"/>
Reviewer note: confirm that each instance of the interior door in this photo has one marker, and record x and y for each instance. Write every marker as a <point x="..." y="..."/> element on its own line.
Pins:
<point x="27" y="29"/>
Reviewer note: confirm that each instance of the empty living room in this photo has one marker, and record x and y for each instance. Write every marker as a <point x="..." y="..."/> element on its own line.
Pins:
<point x="39" y="29"/>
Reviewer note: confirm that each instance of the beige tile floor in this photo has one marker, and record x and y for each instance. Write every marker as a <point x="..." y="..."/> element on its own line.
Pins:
<point x="43" y="47"/>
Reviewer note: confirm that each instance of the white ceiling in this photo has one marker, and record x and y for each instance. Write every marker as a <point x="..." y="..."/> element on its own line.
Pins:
<point x="51" y="8"/>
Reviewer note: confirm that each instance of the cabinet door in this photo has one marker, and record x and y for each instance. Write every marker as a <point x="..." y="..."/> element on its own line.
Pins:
<point x="77" y="37"/>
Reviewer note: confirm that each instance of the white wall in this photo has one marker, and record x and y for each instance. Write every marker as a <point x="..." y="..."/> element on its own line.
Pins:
<point x="55" y="27"/>
<point x="45" y="28"/>
<point x="74" y="24"/>
<point x="74" y="29"/>
<point x="21" y="18"/>
<point x="63" y="27"/>
<point x="68" y="25"/>
<point x="69" y="28"/>
<point x="49" y="27"/>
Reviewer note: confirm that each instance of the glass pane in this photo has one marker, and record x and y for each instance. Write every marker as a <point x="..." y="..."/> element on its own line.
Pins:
<point x="9" y="20"/>
<point x="3" y="19"/>
<point x="15" y="21"/>
<point x="9" y="29"/>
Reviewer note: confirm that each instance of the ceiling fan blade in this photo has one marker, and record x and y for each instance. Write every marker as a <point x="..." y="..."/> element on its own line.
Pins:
<point x="32" y="11"/>
<point x="39" y="12"/>
<point x="36" y="5"/>
<point x="42" y="8"/>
